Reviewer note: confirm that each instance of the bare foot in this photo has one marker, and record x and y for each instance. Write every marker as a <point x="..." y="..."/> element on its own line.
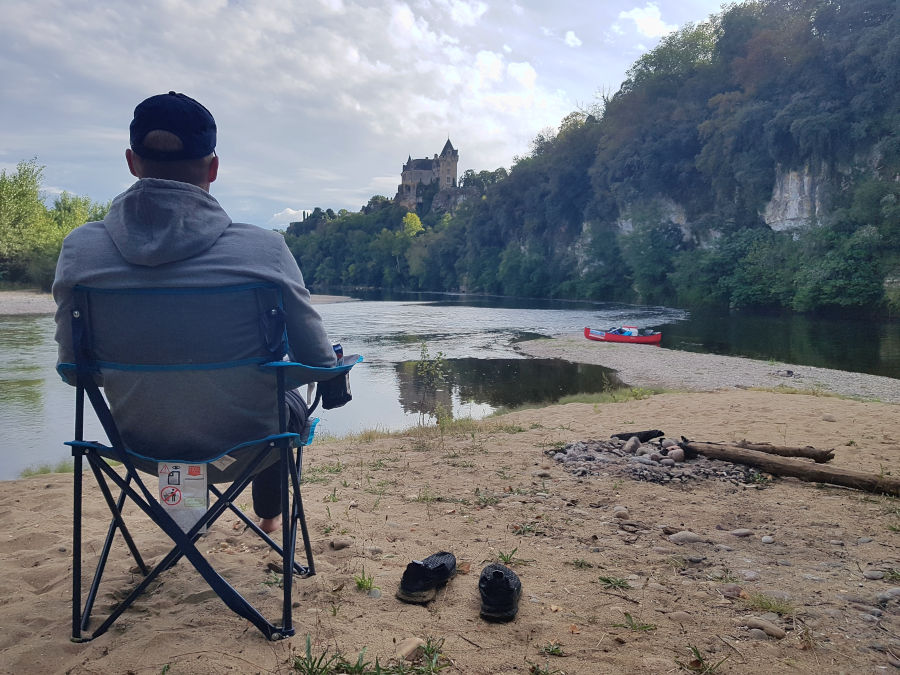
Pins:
<point x="269" y="525"/>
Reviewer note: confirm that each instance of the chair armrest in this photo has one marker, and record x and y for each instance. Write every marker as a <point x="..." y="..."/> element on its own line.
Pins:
<point x="298" y="374"/>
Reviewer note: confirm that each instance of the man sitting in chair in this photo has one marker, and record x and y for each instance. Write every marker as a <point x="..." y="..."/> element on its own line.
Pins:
<point x="166" y="230"/>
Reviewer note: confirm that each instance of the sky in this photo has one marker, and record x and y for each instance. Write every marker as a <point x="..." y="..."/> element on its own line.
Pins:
<point x="317" y="102"/>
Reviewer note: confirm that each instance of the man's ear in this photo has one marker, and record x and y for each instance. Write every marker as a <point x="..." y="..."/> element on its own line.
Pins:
<point x="214" y="168"/>
<point x="130" y="158"/>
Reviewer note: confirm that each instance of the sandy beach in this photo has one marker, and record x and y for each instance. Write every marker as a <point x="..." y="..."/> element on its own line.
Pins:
<point x="783" y="576"/>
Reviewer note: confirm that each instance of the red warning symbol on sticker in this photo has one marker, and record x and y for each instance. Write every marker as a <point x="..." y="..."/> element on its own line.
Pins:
<point x="170" y="495"/>
<point x="194" y="470"/>
<point x="164" y="470"/>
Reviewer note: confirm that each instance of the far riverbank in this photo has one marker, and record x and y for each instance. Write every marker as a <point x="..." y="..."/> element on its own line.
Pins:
<point x="19" y="302"/>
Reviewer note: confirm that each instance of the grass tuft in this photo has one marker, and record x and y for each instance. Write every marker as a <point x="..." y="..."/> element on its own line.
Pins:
<point x="767" y="603"/>
<point x="635" y="624"/>
<point x="63" y="466"/>
<point x="614" y="582"/>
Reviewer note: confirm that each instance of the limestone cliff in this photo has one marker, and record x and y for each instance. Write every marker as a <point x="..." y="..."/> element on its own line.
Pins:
<point x="798" y="197"/>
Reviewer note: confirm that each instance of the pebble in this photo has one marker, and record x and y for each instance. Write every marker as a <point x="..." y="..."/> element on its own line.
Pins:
<point x="829" y="418"/>
<point x="836" y="542"/>
<point x="731" y="590"/>
<point x="681" y="617"/>
<point x="873" y="574"/>
<point x="374" y="593"/>
<point x="767" y="626"/>
<point x="685" y="537"/>
<point x="749" y="575"/>
<point x="541" y="474"/>
<point x="631" y="445"/>
<point x="340" y="542"/>
<point x="889" y="594"/>
<point x="374" y="550"/>
<point x="668" y="443"/>
<point x="655" y="456"/>
<point x="757" y="634"/>
<point x="768" y="540"/>
<point x="667" y="461"/>
<point x="864" y="540"/>
<point x="676" y="454"/>
<point x="410" y="648"/>
<point x="620" y="514"/>
<point x="618" y="507"/>
<point x="742" y="532"/>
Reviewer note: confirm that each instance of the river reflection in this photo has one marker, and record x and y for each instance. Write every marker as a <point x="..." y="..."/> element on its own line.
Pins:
<point x="499" y="383"/>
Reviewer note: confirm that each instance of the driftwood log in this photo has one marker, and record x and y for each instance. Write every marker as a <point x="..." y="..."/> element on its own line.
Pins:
<point x="819" y="455"/>
<point x="784" y="466"/>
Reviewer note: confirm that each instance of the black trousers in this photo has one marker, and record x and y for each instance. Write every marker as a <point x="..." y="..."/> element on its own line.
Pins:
<point x="267" y="483"/>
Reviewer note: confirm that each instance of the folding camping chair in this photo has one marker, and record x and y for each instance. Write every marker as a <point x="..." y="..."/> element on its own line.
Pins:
<point x="201" y="339"/>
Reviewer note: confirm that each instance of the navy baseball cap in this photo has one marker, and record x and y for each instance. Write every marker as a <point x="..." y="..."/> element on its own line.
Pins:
<point x="177" y="114"/>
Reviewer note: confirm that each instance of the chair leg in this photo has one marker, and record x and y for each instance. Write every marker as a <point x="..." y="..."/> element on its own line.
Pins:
<point x="117" y="523"/>
<point x="77" y="454"/>
<point x="299" y="513"/>
<point x="287" y="548"/>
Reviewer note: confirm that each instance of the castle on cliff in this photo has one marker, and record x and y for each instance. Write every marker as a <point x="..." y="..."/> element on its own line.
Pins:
<point x="418" y="173"/>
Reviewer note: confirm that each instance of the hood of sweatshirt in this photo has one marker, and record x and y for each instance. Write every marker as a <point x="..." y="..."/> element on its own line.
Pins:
<point x="157" y="221"/>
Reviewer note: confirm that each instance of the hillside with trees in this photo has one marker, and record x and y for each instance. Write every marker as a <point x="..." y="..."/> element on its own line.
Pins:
<point x="670" y="190"/>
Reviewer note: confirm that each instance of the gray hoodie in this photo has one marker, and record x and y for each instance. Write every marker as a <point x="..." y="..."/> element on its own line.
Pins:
<point x="162" y="233"/>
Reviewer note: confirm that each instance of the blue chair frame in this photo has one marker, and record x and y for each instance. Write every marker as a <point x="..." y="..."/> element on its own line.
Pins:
<point x="88" y="369"/>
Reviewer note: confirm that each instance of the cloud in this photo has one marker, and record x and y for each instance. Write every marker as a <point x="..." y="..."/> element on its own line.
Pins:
<point x="287" y="216"/>
<point x="523" y="73"/>
<point x="648" y="21"/>
<point x="464" y="13"/>
<point x="572" y="39"/>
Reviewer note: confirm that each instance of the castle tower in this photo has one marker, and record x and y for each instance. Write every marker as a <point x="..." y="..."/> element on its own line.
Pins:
<point x="447" y="164"/>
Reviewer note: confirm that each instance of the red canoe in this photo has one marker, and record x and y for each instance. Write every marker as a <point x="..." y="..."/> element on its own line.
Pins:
<point x="607" y="336"/>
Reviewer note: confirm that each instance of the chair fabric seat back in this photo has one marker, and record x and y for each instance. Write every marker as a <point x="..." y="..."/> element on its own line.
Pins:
<point x="181" y="368"/>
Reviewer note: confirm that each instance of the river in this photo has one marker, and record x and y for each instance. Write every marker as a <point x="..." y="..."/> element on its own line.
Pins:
<point x="474" y="335"/>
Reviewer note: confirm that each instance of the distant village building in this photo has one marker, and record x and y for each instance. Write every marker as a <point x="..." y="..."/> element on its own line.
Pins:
<point x="418" y="173"/>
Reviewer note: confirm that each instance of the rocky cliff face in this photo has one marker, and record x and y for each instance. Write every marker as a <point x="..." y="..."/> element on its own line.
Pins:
<point x="797" y="198"/>
<point x="658" y="209"/>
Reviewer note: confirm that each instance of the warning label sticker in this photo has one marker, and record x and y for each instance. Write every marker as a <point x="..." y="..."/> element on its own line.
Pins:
<point x="170" y="496"/>
<point x="183" y="492"/>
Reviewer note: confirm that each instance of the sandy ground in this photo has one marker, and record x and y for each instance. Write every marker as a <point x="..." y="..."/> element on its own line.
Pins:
<point x="490" y="491"/>
<point x="601" y="593"/>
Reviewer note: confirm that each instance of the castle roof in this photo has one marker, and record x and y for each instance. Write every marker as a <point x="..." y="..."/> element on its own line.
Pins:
<point x="419" y="165"/>
<point x="448" y="148"/>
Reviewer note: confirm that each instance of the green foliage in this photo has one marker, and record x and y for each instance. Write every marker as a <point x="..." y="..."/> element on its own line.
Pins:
<point x="31" y="234"/>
